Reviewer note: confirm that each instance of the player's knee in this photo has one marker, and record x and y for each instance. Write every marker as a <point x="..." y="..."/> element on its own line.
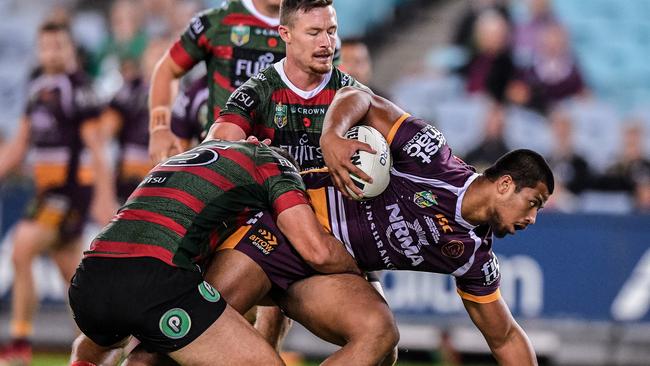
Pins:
<point x="379" y="327"/>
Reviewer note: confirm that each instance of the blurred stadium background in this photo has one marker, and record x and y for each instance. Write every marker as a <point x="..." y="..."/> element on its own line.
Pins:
<point x="571" y="82"/>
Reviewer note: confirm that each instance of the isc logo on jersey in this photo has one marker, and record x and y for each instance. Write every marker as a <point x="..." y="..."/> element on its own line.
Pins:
<point x="425" y="144"/>
<point x="377" y="166"/>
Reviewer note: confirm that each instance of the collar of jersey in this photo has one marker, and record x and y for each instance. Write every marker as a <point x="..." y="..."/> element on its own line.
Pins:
<point x="279" y="67"/>
<point x="248" y="4"/>
<point x="459" y="203"/>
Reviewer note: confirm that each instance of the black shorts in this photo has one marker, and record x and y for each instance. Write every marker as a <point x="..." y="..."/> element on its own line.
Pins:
<point x="165" y="307"/>
<point x="63" y="209"/>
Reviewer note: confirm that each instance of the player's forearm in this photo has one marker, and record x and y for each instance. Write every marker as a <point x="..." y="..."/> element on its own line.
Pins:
<point x="348" y="108"/>
<point x="332" y="257"/>
<point x="163" y="89"/>
<point x="516" y="350"/>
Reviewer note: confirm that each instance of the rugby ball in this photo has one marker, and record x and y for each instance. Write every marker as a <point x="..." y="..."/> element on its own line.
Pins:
<point x="376" y="165"/>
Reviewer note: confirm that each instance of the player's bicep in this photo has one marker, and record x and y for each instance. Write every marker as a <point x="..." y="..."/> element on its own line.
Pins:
<point x="242" y="106"/>
<point x="226" y="131"/>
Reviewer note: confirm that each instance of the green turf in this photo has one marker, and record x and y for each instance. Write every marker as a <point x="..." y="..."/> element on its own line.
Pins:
<point x="46" y="359"/>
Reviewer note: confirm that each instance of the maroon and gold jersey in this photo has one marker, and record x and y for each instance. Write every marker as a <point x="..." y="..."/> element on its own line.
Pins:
<point x="416" y="224"/>
<point x="270" y="106"/>
<point x="187" y="203"/>
<point x="235" y="41"/>
<point x="190" y="112"/>
<point x="58" y="105"/>
<point x="130" y="102"/>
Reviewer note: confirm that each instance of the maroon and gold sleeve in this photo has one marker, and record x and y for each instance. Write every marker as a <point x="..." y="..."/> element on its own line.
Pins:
<point x="481" y="282"/>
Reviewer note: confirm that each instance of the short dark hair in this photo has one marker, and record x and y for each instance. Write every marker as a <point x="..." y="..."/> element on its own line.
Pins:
<point x="526" y="167"/>
<point x="352" y="41"/>
<point x="288" y="8"/>
<point x="53" y="26"/>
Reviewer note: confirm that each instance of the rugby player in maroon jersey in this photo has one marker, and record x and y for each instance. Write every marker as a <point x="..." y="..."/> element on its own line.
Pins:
<point x="59" y="128"/>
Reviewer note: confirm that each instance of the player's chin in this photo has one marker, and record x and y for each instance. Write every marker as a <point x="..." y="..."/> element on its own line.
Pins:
<point x="321" y="67"/>
<point x="502" y="232"/>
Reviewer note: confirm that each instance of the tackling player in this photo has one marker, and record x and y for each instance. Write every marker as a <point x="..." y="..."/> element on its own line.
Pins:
<point x="141" y="275"/>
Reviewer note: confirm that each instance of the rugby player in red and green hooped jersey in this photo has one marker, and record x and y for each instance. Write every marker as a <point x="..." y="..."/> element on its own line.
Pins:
<point x="236" y="41"/>
<point x="287" y="102"/>
<point x="141" y="275"/>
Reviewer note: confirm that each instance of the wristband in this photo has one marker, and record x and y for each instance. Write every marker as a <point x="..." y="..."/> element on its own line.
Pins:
<point x="159" y="116"/>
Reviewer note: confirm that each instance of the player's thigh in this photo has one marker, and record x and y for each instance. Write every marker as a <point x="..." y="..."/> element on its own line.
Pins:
<point x="230" y="340"/>
<point x="241" y="281"/>
<point x="31" y="239"/>
<point x="339" y="308"/>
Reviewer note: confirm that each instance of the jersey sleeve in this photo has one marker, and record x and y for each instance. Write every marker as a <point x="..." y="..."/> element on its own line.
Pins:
<point x="245" y="104"/>
<point x="87" y="103"/>
<point x="481" y="282"/>
<point x="419" y="148"/>
<point x="191" y="47"/>
<point x="282" y="182"/>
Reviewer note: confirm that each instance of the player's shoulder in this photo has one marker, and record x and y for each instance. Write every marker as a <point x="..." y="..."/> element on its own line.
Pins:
<point x="341" y="79"/>
<point x="264" y="81"/>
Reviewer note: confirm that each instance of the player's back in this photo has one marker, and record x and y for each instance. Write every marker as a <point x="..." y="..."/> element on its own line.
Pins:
<point x="185" y="204"/>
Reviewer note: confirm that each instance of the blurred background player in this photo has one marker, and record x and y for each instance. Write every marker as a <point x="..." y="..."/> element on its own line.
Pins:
<point x="127" y="119"/>
<point x="236" y="41"/>
<point x="356" y="61"/>
<point x="60" y="128"/>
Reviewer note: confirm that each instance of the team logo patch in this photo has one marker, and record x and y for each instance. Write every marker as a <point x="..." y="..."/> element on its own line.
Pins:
<point x="425" y="199"/>
<point x="453" y="249"/>
<point x="264" y="240"/>
<point x="280" y="118"/>
<point x="208" y="292"/>
<point x="240" y="35"/>
<point x="175" y="323"/>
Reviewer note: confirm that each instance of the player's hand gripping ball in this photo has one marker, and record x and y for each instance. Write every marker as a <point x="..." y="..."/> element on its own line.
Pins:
<point x="377" y="166"/>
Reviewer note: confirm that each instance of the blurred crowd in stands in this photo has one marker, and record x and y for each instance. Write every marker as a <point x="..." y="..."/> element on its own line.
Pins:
<point x="508" y="78"/>
<point x="510" y="71"/>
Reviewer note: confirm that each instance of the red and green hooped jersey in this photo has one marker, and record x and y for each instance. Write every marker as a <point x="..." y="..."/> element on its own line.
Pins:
<point x="235" y="41"/>
<point x="187" y="203"/>
<point x="269" y="106"/>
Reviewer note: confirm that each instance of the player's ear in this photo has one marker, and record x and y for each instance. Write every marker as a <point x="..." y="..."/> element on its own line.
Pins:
<point x="505" y="183"/>
<point x="285" y="33"/>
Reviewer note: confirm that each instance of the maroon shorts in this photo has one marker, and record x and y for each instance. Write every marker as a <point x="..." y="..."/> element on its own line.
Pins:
<point x="263" y="242"/>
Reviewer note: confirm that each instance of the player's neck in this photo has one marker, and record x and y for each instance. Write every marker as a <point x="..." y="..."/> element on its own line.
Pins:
<point x="475" y="208"/>
<point x="303" y="80"/>
<point x="270" y="11"/>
